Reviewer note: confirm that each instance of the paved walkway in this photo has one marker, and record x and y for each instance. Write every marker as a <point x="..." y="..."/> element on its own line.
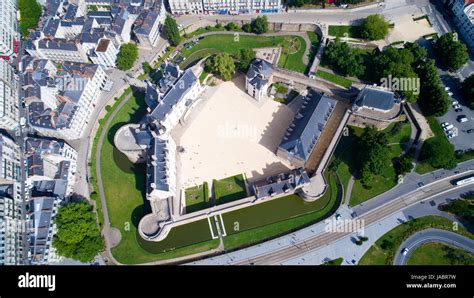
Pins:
<point x="350" y="184"/>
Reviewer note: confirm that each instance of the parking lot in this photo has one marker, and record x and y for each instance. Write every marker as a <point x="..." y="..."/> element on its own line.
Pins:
<point x="463" y="140"/>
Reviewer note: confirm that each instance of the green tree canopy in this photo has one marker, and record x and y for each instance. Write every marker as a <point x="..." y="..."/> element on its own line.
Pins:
<point x="451" y="52"/>
<point x="30" y="12"/>
<point x="78" y="236"/>
<point x="433" y="98"/>
<point x="127" y="56"/>
<point x="171" y="30"/>
<point x="222" y="65"/>
<point x="373" y="154"/>
<point x="438" y="152"/>
<point x="343" y="59"/>
<point x="244" y="57"/>
<point x="468" y="90"/>
<point x="374" y="27"/>
<point x="247" y="27"/>
<point x="405" y="164"/>
<point x="260" y="25"/>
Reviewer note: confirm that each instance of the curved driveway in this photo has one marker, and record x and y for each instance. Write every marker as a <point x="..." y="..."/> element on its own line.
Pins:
<point x="432" y="235"/>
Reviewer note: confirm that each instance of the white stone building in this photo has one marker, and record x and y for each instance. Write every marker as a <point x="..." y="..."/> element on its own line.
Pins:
<point x="258" y="78"/>
<point x="105" y="53"/>
<point x="10" y="160"/>
<point x="60" y="101"/>
<point x="8" y="27"/>
<point x="9" y="112"/>
<point x="12" y="229"/>
<point x="225" y="6"/>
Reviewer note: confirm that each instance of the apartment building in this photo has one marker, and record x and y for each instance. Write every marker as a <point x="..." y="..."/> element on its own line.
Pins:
<point x="8" y="28"/>
<point x="463" y="11"/>
<point x="9" y="112"/>
<point x="105" y="54"/>
<point x="224" y="6"/>
<point x="60" y="99"/>
<point x="10" y="160"/>
<point x="12" y="229"/>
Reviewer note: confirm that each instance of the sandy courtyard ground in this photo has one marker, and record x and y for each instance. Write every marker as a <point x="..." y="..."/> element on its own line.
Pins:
<point x="406" y="29"/>
<point x="231" y="134"/>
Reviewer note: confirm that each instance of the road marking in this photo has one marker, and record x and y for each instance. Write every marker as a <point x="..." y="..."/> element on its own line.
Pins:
<point x="210" y="228"/>
<point x="222" y="225"/>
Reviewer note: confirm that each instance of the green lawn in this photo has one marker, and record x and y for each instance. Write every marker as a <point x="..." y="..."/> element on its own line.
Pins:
<point x="276" y="217"/>
<point x="124" y="185"/>
<point x="436" y="254"/>
<point x="229" y="189"/>
<point x="344" y="31"/>
<point x="197" y="198"/>
<point x="385" y="248"/>
<point x="334" y="78"/>
<point x="228" y="43"/>
<point x="291" y="58"/>
<point x="334" y="262"/>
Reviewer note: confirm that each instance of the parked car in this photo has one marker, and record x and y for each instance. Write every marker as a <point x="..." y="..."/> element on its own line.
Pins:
<point x="462" y="118"/>
<point x="447" y="88"/>
<point x="450" y="136"/>
<point x="338" y="216"/>
<point x="456" y="106"/>
<point x="449" y="127"/>
<point x="470" y="130"/>
<point x="444" y="124"/>
<point x="454" y="102"/>
<point x="458" y="110"/>
<point x="450" y="93"/>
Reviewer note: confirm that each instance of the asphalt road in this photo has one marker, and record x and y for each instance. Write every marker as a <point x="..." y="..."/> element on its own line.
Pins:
<point x="402" y="197"/>
<point x="431" y="235"/>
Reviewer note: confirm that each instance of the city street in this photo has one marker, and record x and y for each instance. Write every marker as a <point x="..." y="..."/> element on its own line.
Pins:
<point x="385" y="210"/>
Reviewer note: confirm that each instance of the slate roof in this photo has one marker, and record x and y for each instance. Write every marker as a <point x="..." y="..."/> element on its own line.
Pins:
<point x="174" y="95"/>
<point x="280" y="184"/>
<point x="259" y="73"/>
<point x="308" y="124"/>
<point x="376" y="98"/>
<point x="157" y="177"/>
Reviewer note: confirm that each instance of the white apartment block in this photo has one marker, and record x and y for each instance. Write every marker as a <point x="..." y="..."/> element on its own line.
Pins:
<point x="147" y="27"/>
<point x="9" y="113"/>
<point x="10" y="160"/>
<point x="105" y="53"/>
<point x="12" y="228"/>
<point x="60" y="50"/>
<point x="67" y="99"/>
<point x="8" y="27"/>
<point x="464" y="20"/>
<point x="225" y="6"/>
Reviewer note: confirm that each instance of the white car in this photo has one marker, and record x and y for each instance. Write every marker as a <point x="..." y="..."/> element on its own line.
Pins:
<point x="404" y="251"/>
<point x="447" y="88"/>
<point x="449" y="127"/>
<point x="450" y="93"/>
<point x="456" y="106"/>
<point x="455" y="102"/>
<point x="338" y="216"/>
<point x="444" y="124"/>
<point x="22" y="121"/>
<point x="450" y="136"/>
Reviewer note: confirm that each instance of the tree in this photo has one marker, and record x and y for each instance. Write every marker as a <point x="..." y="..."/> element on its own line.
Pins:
<point x="147" y="67"/>
<point x="245" y="56"/>
<point x="260" y="25"/>
<point x="433" y="99"/>
<point x="438" y="152"/>
<point x="461" y="208"/>
<point x="231" y="26"/>
<point x="343" y="59"/>
<point x="374" y="27"/>
<point x="451" y="52"/>
<point x="468" y="90"/>
<point x="405" y="164"/>
<point x="373" y="154"/>
<point x="171" y="30"/>
<point x="127" y="56"/>
<point x="78" y="236"/>
<point x="222" y="65"/>
<point x="30" y="13"/>
<point x="247" y="28"/>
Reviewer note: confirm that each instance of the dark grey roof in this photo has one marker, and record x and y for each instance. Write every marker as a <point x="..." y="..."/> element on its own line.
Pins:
<point x="145" y="21"/>
<point x="41" y="216"/>
<point x="259" y="73"/>
<point x="376" y="98"/>
<point x="282" y="183"/>
<point x="308" y="124"/>
<point x="174" y="95"/>
<point x="71" y="12"/>
<point x="51" y="27"/>
<point x="57" y="44"/>
<point x="157" y="166"/>
<point x="151" y="96"/>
